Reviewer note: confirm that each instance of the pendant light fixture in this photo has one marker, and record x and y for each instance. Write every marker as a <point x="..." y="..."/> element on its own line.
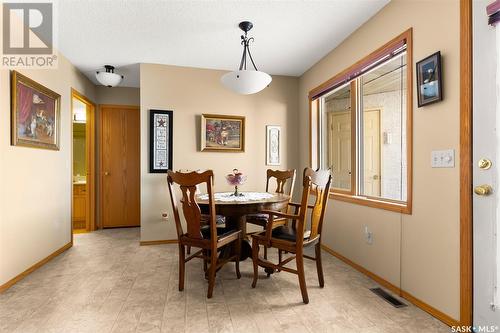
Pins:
<point x="109" y="78"/>
<point x="246" y="81"/>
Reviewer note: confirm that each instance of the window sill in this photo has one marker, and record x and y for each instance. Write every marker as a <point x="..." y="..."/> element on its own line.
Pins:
<point x="394" y="206"/>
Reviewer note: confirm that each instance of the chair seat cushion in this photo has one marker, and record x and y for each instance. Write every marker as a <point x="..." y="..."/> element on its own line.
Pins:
<point x="288" y="233"/>
<point x="258" y="216"/>
<point x="219" y="219"/>
<point x="221" y="232"/>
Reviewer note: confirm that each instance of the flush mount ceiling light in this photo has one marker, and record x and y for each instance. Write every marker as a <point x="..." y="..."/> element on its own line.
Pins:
<point x="109" y="78"/>
<point x="245" y="81"/>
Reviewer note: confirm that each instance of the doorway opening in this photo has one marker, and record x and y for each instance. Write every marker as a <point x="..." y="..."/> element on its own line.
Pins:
<point x="83" y="164"/>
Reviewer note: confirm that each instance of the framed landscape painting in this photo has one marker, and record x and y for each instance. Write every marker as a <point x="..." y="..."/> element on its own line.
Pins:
<point x="222" y="133"/>
<point x="160" y="141"/>
<point x="273" y="145"/>
<point x="35" y="114"/>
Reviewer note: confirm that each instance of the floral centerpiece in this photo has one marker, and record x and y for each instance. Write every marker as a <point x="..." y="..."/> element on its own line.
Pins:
<point x="236" y="179"/>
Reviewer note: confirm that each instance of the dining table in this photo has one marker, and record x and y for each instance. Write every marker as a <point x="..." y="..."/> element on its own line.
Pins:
<point x="236" y="207"/>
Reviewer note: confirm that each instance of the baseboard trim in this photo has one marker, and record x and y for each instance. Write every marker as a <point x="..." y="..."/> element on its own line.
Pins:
<point x="430" y="310"/>
<point x="366" y="272"/>
<point x="33" y="268"/>
<point x="158" y="242"/>
<point x="409" y="297"/>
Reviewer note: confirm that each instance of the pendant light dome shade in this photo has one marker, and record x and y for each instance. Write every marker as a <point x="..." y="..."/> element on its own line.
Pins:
<point x="246" y="82"/>
<point x="109" y="78"/>
<point x="243" y="81"/>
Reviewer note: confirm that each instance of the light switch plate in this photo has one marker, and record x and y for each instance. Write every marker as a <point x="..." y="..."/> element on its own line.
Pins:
<point x="443" y="158"/>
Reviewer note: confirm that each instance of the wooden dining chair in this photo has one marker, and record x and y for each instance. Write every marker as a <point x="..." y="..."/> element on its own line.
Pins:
<point x="299" y="234"/>
<point x="207" y="237"/>
<point x="285" y="181"/>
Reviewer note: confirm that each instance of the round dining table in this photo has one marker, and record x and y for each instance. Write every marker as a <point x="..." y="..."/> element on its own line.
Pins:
<point x="235" y="208"/>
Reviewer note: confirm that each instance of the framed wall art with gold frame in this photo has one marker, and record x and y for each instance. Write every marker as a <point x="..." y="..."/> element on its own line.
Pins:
<point x="35" y="114"/>
<point x="222" y="133"/>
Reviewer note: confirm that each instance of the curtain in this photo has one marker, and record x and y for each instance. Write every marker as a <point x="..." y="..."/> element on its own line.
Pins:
<point x="24" y="102"/>
<point x="493" y="11"/>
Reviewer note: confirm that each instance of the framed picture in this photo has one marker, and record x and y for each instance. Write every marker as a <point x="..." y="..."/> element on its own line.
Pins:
<point x="222" y="133"/>
<point x="160" y="140"/>
<point x="35" y="114"/>
<point x="429" y="80"/>
<point x="273" y="145"/>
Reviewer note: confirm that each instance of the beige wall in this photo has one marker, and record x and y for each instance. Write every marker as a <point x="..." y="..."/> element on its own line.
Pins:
<point x="189" y="92"/>
<point x="419" y="252"/>
<point x="35" y="184"/>
<point x="117" y="95"/>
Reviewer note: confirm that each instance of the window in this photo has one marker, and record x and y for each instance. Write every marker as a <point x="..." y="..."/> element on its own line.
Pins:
<point x="363" y="128"/>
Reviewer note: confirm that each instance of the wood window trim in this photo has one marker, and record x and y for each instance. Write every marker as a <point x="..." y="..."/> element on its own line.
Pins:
<point x="386" y="204"/>
<point x="350" y="196"/>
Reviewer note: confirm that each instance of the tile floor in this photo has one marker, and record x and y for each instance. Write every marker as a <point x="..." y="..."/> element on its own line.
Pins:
<point x="108" y="283"/>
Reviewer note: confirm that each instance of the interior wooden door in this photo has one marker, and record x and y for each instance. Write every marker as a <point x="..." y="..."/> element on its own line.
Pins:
<point x="120" y="168"/>
<point x="371" y="154"/>
<point x="339" y="153"/>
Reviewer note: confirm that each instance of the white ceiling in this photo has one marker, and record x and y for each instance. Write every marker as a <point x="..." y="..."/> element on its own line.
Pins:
<point x="290" y="36"/>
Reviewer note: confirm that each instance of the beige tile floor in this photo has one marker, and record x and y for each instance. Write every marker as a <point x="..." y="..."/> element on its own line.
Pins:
<point x="108" y="283"/>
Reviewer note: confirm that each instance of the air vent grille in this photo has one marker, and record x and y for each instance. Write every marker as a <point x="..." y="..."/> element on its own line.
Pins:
<point x="388" y="297"/>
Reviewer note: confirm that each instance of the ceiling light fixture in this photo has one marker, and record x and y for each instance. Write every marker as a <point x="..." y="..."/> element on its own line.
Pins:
<point x="109" y="78"/>
<point x="245" y="81"/>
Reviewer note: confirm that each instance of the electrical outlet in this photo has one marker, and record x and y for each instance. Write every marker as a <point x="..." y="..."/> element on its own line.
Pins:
<point x="368" y="236"/>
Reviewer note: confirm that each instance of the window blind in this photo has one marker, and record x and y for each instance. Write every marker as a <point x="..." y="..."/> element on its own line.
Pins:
<point x="360" y="68"/>
<point x="493" y="11"/>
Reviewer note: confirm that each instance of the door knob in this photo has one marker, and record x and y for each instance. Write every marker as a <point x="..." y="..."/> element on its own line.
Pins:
<point x="484" y="164"/>
<point x="106" y="173"/>
<point x="484" y="189"/>
<point x="375" y="177"/>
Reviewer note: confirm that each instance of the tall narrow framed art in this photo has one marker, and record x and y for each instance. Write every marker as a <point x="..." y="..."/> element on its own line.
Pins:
<point x="160" y="140"/>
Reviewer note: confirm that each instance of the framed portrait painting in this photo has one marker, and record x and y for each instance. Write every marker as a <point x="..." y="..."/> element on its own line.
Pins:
<point x="160" y="141"/>
<point x="35" y="114"/>
<point x="429" y="80"/>
<point x="222" y="133"/>
<point x="273" y="145"/>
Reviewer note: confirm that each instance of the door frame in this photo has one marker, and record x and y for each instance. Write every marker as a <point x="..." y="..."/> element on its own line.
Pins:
<point x="89" y="160"/>
<point x="100" y="146"/>
<point x="466" y="264"/>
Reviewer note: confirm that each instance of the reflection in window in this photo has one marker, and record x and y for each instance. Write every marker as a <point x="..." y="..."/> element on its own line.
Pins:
<point x="383" y="144"/>
<point x="337" y="121"/>
<point x="377" y="100"/>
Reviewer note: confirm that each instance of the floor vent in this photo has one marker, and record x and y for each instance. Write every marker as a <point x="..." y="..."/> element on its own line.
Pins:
<point x="388" y="297"/>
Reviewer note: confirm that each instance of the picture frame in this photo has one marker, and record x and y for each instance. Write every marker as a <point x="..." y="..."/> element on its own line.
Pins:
<point x="35" y="114"/>
<point x="273" y="145"/>
<point x="222" y="133"/>
<point x="160" y="140"/>
<point x="429" y="80"/>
